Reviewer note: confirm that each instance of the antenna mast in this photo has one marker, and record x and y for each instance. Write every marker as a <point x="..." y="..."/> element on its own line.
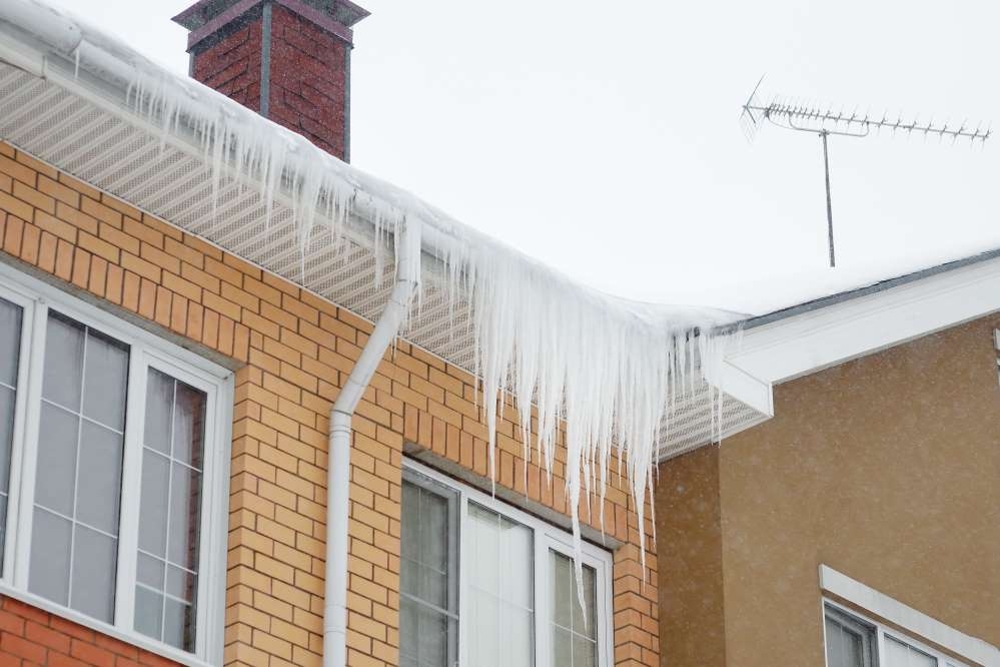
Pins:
<point x="802" y="118"/>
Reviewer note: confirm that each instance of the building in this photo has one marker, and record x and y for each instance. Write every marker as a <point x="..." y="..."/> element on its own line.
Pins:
<point x="863" y="515"/>
<point x="175" y="347"/>
<point x="214" y="452"/>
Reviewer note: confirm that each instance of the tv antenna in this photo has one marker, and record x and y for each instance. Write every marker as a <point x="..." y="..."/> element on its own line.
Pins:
<point x="825" y="122"/>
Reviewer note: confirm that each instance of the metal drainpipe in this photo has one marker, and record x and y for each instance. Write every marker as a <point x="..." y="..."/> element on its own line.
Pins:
<point x="339" y="460"/>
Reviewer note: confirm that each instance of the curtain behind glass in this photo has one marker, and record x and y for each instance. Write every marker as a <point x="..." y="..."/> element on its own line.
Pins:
<point x="166" y="598"/>
<point x="74" y="539"/>
<point x="429" y="577"/>
<point x="501" y="591"/>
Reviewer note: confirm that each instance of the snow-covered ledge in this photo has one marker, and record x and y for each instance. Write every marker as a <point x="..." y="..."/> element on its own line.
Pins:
<point x="909" y="619"/>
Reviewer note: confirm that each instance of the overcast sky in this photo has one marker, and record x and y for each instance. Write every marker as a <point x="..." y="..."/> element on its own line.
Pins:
<point x="603" y="138"/>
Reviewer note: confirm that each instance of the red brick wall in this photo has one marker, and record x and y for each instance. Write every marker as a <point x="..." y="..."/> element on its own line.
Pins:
<point x="294" y="350"/>
<point x="30" y="636"/>
<point x="232" y="65"/>
<point x="308" y="80"/>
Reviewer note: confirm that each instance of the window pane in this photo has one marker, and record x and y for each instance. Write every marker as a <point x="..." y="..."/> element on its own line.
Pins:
<point x="429" y="577"/>
<point x="185" y="510"/>
<point x="99" y="486"/>
<point x="63" y="383"/>
<point x="501" y="589"/>
<point x="153" y="505"/>
<point x="7" y="403"/>
<point x="105" y="381"/>
<point x="51" y="536"/>
<point x="900" y="654"/>
<point x="850" y="642"/>
<point x="148" y="612"/>
<point x="178" y="624"/>
<point x="55" y="486"/>
<point x="94" y="562"/>
<point x="79" y="468"/>
<point x="10" y="347"/>
<point x="189" y="425"/>
<point x="159" y="411"/>
<point x="10" y="342"/>
<point x="572" y="625"/>
<point x="170" y="508"/>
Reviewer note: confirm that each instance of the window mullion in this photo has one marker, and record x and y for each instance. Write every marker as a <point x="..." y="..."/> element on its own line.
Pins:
<point x="128" y="521"/>
<point x="543" y="646"/>
<point x="463" y="579"/>
<point x="33" y="401"/>
<point x="604" y="596"/>
<point x="214" y="522"/>
<point x="22" y="401"/>
<point x="206" y="544"/>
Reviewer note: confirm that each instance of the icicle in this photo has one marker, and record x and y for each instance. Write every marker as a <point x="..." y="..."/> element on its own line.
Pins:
<point x="614" y="372"/>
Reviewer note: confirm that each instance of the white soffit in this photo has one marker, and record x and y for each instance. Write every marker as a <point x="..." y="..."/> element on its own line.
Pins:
<point x="77" y="124"/>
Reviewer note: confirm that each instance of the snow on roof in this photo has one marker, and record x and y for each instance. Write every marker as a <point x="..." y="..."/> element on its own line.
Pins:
<point x="611" y="369"/>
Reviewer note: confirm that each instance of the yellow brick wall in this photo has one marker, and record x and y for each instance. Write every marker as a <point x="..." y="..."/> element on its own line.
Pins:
<point x="294" y="350"/>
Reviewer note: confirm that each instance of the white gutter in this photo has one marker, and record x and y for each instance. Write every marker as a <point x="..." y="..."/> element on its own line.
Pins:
<point x="339" y="460"/>
<point x="52" y="28"/>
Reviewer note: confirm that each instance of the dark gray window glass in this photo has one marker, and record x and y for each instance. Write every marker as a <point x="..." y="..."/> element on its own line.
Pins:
<point x="428" y="633"/>
<point x="574" y="633"/>
<point x="170" y="511"/>
<point x="850" y="642"/>
<point x="78" y="482"/>
<point x="10" y="349"/>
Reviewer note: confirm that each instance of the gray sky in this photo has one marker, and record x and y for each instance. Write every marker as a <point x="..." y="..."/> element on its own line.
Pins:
<point x="607" y="144"/>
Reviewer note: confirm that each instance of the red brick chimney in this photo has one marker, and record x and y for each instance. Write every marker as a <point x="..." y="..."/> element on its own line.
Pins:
<point x="288" y="60"/>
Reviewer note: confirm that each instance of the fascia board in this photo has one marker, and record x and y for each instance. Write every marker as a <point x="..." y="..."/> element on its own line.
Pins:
<point x="810" y="342"/>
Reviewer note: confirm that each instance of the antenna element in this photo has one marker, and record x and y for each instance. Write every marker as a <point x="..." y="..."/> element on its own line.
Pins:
<point x="824" y="122"/>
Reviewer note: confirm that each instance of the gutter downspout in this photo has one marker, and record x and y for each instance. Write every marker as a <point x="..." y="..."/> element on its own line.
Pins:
<point x="339" y="459"/>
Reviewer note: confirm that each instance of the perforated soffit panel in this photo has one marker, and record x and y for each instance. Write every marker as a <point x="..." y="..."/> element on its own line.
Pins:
<point x="131" y="162"/>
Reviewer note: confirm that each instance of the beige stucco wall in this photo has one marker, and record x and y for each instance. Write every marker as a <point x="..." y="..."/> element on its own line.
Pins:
<point x="687" y="527"/>
<point x="886" y="469"/>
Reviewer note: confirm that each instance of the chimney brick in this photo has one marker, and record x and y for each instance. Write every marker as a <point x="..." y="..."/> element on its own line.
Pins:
<point x="288" y="60"/>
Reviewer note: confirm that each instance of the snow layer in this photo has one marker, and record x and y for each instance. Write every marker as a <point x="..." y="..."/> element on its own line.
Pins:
<point x="610" y="369"/>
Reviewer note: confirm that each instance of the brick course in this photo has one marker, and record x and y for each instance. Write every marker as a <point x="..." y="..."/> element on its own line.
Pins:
<point x="294" y="350"/>
<point x="308" y="77"/>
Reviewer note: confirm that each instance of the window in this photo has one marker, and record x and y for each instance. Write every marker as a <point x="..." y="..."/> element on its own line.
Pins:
<point x="852" y="641"/>
<point x="110" y="439"/>
<point x="484" y="584"/>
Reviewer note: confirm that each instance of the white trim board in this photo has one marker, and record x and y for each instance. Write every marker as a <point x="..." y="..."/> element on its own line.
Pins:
<point x="907" y="618"/>
<point x="831" y="335"/>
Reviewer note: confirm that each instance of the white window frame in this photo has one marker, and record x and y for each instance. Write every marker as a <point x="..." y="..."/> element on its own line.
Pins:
<point x="908" y="625"/>
<point x="546" y="537"/>
<point x="147" y="350"/>
<point x="882" y="631"/>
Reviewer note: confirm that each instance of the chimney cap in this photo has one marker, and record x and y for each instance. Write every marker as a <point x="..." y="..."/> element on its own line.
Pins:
<point x="202" y="12"/>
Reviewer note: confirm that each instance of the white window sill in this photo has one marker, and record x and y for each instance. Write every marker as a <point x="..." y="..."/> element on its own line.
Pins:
<point x="132" y="638"/>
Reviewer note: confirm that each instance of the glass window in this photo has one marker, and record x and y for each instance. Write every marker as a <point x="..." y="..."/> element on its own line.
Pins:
<point x="170" y="510"/>
<point x="114" y="435"/>
<point x="901" y="654"/>
<point x="574" y="628"/>
<point x="517" y="584"/>
<point x="852" y="641"/>
<point x="429" y="588"/>
<point x="501" y="589"/>
<point x="849" y="642"/>
<point x="79" y="468"/>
